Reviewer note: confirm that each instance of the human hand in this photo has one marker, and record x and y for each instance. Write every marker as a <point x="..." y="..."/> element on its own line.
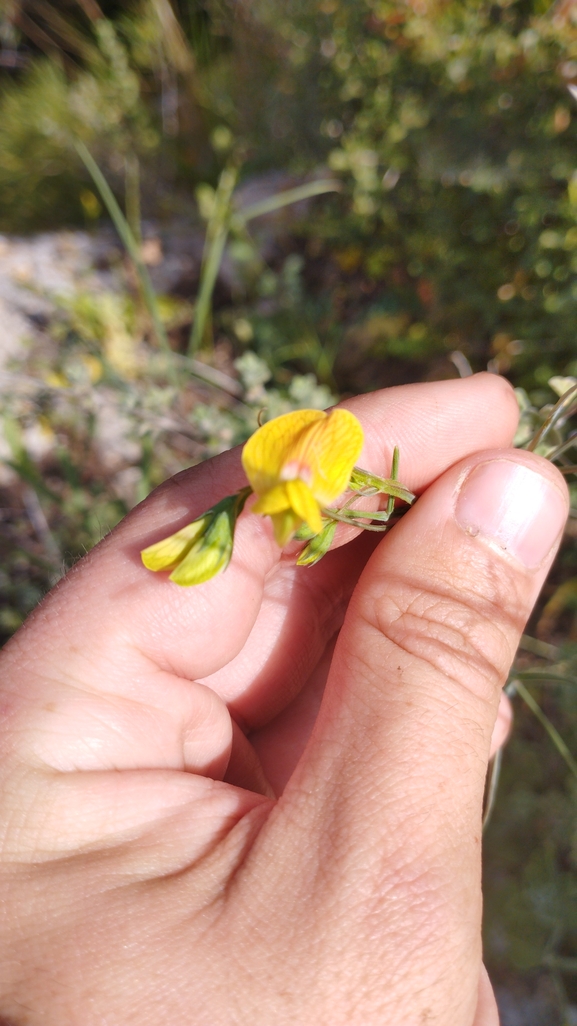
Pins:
<point x="147" y="872"/>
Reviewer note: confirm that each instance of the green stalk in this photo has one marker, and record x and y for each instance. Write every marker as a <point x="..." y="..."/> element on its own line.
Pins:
<point x="335" y="514"/>
<point x="361" y="514"/>
<point x="216" y="236"/>
<point x="132" y="195"/>
<point x="133" y="250"/>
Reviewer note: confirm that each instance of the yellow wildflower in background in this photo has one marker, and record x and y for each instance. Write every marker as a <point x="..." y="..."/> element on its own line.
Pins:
<point x="299" y="463"/>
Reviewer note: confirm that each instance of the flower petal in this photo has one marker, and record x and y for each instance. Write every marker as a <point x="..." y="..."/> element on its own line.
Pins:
<point x="284" y="525"/>
<point x="274" y="501"/>
<point x="331" y="449"/>
<point x="266" y="452"/>
<point x="304" y="504"/>
<point x="168" y="552"/>
<point x="298" y="462"/>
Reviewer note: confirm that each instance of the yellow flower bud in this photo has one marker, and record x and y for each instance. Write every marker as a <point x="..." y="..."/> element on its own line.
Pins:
<point x="203" y="548"/>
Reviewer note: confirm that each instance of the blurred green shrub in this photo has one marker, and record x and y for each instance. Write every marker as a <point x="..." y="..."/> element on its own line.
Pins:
<point x="125" y="79"/>
<point x="455" y="129"/>
<point x="45" y="111"/>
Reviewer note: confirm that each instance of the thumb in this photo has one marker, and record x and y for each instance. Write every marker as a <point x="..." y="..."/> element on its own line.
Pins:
<point x="389" y="792"/>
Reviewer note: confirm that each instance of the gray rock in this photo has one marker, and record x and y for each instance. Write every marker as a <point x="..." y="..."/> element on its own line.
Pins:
<point x="32" y="271"/>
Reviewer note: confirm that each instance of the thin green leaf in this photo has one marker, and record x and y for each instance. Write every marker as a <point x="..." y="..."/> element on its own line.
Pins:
<point x="545" y="677"/>
<point x="285" y="199"/>
<point x="394" y="477"/>
<point x="547" y="725"/>
<point x="539" y="648"/>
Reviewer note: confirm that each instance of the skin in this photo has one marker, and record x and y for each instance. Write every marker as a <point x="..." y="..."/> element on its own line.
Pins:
<point x="186" y="839"/>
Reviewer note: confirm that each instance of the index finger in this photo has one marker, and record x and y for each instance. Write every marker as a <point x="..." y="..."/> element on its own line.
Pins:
<point x="109" y="602"/>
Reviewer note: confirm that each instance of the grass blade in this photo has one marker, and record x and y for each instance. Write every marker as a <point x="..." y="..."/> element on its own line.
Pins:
<point x="562" y="409"/>
<point x="547" y="725"/>
<point x="133" y="250"/>
<point x="216" y="236"/>
<point x="545" y="677"/>
<point x="492" y="786"/>
<point x="284" y="199"/>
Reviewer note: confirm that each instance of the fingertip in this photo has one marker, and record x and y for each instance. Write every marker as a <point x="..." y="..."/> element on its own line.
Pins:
<point x="515" y="501"/>
<point x="501" y="393"/>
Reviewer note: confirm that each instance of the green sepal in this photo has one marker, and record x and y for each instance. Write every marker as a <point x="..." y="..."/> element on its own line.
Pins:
<point x="371" y="484"/>
<point x="304" y="533"/>
<point x="318" y="546"/>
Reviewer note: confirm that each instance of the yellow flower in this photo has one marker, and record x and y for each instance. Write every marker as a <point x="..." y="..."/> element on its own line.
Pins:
<point x="300" y="462"/>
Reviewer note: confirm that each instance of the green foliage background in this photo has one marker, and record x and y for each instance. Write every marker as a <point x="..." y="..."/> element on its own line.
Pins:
<point x="452" y="132"/>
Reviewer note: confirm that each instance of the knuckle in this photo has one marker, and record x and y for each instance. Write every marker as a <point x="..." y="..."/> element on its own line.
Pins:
<point x="469" y="636"/>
